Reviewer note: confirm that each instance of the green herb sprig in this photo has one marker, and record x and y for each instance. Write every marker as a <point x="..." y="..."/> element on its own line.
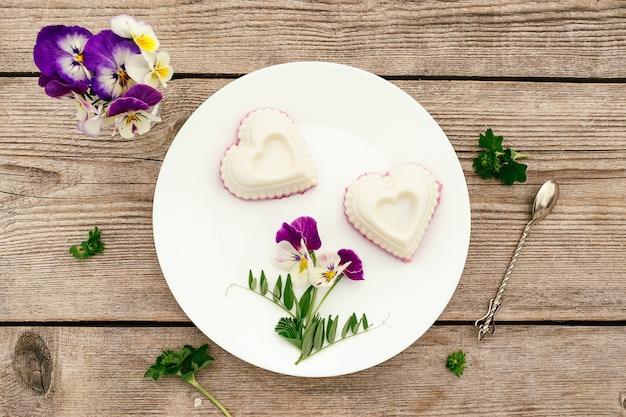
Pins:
<point x="184" y="364"/>
<point x="495" y="161"/>
<point x="89" y="247"/>
<point x="304" y="327"/>
<point x="456" y="362"/>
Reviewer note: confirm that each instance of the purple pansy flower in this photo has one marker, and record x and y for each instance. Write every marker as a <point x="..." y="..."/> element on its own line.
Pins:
<point x="59" y="52"/>
<point x="328" y="269"/>
<point x="105" y="56"/>
<point x="294" y="241"/>
<point x="131" y="110"/>
<point x="332" y="266"/>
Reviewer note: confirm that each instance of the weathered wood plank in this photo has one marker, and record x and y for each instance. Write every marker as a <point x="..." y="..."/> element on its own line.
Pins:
<point x="99" y="371"/>
<point x="56" y="184"/>
<point x="575" y="38"/>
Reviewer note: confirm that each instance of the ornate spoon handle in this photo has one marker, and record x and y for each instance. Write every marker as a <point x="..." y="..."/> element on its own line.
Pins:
<point x="486" y="323"/>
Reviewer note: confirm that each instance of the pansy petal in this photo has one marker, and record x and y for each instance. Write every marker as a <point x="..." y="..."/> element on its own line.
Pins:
<point x="145" y="38"/>
<point x="354" y="270"/>
<point x="91" y="126"/>
<point x="46" y="50"/>
<point x="307" y="226"/>
<point x="121" y="25"/>
<point x="140" y="32"/>
<point x="71" y="41"/>
<point x="149" y="95"/>
<point x="139" y="69"/>
<point x="98" y="50"/>
<point x="134" y="123"/>
<point x="125" y="105"/>
<point x="299" y="277"/>
<point x="288" y="233"/>
<point x="286" y="255"/>
<point x="57" y="87"/>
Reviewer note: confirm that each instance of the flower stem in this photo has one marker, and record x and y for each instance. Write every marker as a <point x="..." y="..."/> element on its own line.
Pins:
<point x="192" y="381"/>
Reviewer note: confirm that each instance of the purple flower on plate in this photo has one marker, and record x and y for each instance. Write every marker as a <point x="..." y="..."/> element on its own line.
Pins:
<point x="131" y="111"/>
<point x="105" y="56"/>
<point x="330" y="267"/>
<point x="295" y="241"/>
<point x="59" y="52"/>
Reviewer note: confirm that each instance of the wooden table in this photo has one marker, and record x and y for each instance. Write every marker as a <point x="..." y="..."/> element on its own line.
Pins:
<point x="77" y="336"/>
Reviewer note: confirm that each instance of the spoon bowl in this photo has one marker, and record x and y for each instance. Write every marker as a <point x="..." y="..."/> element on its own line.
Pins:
<point x="545" y="200"/>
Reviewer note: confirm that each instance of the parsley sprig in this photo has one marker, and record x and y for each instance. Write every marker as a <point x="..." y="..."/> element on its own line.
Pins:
<point x="184" y="364"/>
<point x="456" y="362"/>
<point x="89" y="247"/>
<point x="495" y="161"/>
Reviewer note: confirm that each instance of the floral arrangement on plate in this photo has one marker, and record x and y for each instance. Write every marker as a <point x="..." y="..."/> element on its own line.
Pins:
<point x="303" y="326"/>
<point x="113" y="76"/>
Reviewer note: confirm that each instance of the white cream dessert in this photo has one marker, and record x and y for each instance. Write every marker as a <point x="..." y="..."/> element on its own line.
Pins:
<point x="393" y="210"/>
<point x="269" y="159"/>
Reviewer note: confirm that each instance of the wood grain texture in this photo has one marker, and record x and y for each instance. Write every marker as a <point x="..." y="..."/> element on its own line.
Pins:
<point x="574" y="38"/>
<point x="55" y="185"/>
<point x="99" y="371"/>
<point x="77" y="336"/>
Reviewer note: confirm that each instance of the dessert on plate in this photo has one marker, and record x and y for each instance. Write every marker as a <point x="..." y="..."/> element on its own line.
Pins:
<point x="269" y="159"/>
<point x="393" y="210"/>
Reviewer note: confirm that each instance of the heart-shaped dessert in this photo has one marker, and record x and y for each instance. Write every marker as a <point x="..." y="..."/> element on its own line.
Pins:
<point x="393" y="210"/>
<point x="269" y="159"/>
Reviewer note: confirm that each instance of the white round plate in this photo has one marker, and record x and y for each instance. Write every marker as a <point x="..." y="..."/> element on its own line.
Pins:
<point x="352" y="122"/>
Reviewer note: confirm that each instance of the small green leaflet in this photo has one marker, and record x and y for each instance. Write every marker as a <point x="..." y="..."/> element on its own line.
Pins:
<point x="89" y="247"/>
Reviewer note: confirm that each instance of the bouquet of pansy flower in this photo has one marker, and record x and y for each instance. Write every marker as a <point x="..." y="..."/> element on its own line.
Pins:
<point x="113" y="76"/>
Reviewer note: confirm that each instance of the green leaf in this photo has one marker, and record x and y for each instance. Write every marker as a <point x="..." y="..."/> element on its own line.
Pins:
<point x="364" y="321"/>
<point x="305" y="302"/>
<point x="277" y="293"/>
<point x="331" y="331"/>
<point x="455" y="362"/>
<point x="89" y="247"/>
<point x="354" y="322"/>
<point x="263" y="286"/>
<point x="289" y="297"/>
<point x="349" y="325"/>
<point x="291" y="330"/>
<point x="490" y="141"/>
<point x="307" y="342"/>
<point x="251" y="281"/>
<point x="511" y="172"/>
<point x="318" y="339"/>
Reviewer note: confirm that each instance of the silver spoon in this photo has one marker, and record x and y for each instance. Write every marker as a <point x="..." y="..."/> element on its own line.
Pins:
<point x="542" y="206"/>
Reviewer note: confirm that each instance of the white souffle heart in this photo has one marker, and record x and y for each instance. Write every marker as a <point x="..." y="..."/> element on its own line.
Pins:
<point x="269" y="160"/>
<point x="393" y="210"/>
